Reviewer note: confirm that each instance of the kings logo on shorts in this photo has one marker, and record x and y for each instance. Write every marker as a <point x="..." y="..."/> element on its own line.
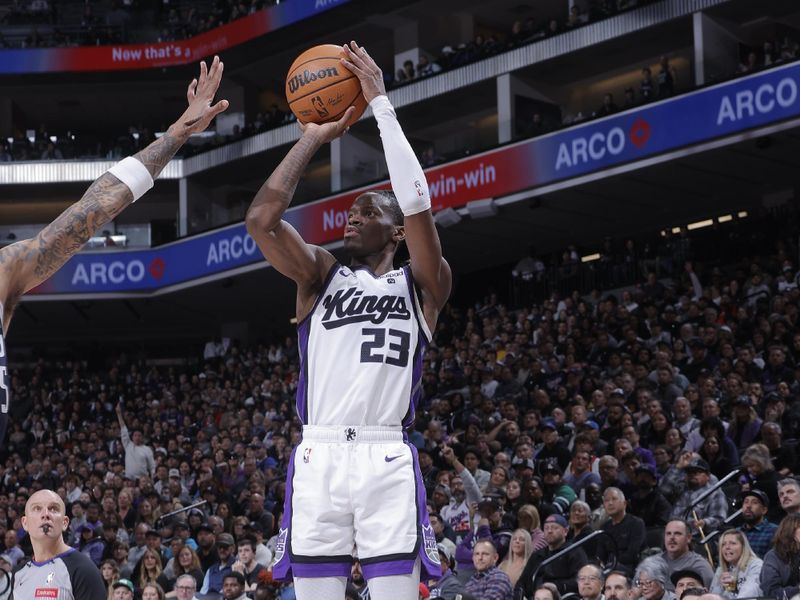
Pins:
<point x="429" y="542"/>
<point x="280" y="544"/>
<point x="350" y="305"/>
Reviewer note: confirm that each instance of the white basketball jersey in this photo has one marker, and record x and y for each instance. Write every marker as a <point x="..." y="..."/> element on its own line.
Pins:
<point x="361" y="350"/>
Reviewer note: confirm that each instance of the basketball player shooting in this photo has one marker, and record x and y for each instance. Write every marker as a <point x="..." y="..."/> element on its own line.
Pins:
<point x="353" y="482"/>
<point x="27" y="263"/>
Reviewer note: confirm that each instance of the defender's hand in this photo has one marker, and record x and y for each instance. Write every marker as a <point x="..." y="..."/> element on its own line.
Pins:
<point x="200" y="95"/>
<point x="364" y="67"/>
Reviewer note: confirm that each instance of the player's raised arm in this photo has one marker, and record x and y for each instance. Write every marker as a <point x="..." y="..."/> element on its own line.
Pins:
<point x="27" y="263"/>
<point x="430" y="269"/>
<point x="280" y="243"/>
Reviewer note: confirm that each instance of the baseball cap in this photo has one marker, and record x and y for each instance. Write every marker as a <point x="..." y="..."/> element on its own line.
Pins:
<point x="647" y="468"/>
<point x="591" y="424"/>
<point x="757" y="494"/>
<point x="698" y="464"/>
<point x="124" y="583"/>
<point x="551" y="466"/>
<point x="205" y="527"/>
<point x="678" y="575"/>
<point x="617" y="392"/>
<point x="489" y="501"/>
<point x="548" y="423"/>
<point x="444" y="550"/>
<point x="442" y="489"/>
<point x="743" y="401"/>
<point x="225" y="539"/>
<point x="558" y="519"/>
<point x="174" y="473"/>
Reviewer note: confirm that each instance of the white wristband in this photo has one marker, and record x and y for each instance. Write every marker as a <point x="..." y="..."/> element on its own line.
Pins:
<point x="408" y="179"/>
<point x="134" y="174"/>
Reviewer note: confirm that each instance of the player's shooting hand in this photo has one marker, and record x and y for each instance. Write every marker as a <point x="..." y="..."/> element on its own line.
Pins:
<point x="200" y="95"/>
<point x="327" y="132"/>
<point x="364" y="67"/>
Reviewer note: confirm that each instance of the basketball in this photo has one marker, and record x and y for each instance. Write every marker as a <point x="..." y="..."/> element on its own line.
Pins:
<point x="319" y="89"/>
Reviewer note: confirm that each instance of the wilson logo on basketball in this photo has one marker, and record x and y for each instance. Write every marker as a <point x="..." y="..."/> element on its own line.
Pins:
<point x="351" y="306"/>
<point x="306" y="77"/>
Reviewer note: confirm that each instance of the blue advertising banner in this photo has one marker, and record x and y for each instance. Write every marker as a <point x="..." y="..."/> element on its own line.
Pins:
<point x="721" y="111"/>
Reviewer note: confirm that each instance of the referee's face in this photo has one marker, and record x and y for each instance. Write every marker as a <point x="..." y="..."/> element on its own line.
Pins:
<point x="44" y="516"/>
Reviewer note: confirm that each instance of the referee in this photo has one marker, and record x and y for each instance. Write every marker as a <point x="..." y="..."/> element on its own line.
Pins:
<point x="56" y="571"/>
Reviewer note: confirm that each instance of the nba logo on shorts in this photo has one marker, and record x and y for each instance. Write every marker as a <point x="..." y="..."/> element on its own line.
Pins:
<point x="307" y="455"/>
<point x="429" y="541"/>
<point x="280" y="544"/>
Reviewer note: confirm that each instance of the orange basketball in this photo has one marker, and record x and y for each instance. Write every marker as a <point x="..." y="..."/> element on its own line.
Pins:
<point x="319" y="89"/>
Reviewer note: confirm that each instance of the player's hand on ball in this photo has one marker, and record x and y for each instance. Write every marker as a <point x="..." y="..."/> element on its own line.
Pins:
<point x="364" y="67"/>
<point x="200" y="96"/>
<point x="327" y="132"/>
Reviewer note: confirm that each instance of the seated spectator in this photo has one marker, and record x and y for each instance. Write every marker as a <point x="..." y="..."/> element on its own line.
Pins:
<point x="562" y="573"/>
<point x="778" y="577"/>
<point x="590" y="582"/>
<point x="488" y="581"/>
<point x="686" y="579"/>
<point x="679" y="556"/>
<point x="652" y="576"/>
<point x="447" y="586"/>
<point x="789" y="495"/>
<point x="626" y="531"/>
<point x="519" y="552"/>
<point x="737" y="575"/>
<point x="710" y="512"/>
<point x="648" y="502"/>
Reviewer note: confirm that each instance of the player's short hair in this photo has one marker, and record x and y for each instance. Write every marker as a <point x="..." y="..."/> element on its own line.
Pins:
<point x="392" y="204"/>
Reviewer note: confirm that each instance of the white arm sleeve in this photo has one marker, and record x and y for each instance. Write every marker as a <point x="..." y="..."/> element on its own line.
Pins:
<point x="408" y="180"/>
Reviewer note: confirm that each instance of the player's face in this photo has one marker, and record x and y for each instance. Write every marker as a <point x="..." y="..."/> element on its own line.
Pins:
<point x="44" y="516"/>
<point x="370" y="226"/>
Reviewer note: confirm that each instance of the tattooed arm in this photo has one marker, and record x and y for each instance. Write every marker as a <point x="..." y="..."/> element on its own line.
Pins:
<point x="28" y="263"/>
<point x="280" y="243"/>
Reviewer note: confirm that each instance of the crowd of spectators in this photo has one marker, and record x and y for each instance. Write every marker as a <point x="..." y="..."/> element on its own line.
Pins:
<point x="770" y="54"/>
<point x="46" y="144"/>
<point x="540" y="423"/>
<point x="88" y="23"/>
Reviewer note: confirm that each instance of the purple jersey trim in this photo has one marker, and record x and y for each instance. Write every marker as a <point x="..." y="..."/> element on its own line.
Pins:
<point x="282" y="570"/>
<point x="388" y="568"/>
<point x="419" y="352"/>
<point x="426" y="539"/>
<point x="335" y="569"/>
